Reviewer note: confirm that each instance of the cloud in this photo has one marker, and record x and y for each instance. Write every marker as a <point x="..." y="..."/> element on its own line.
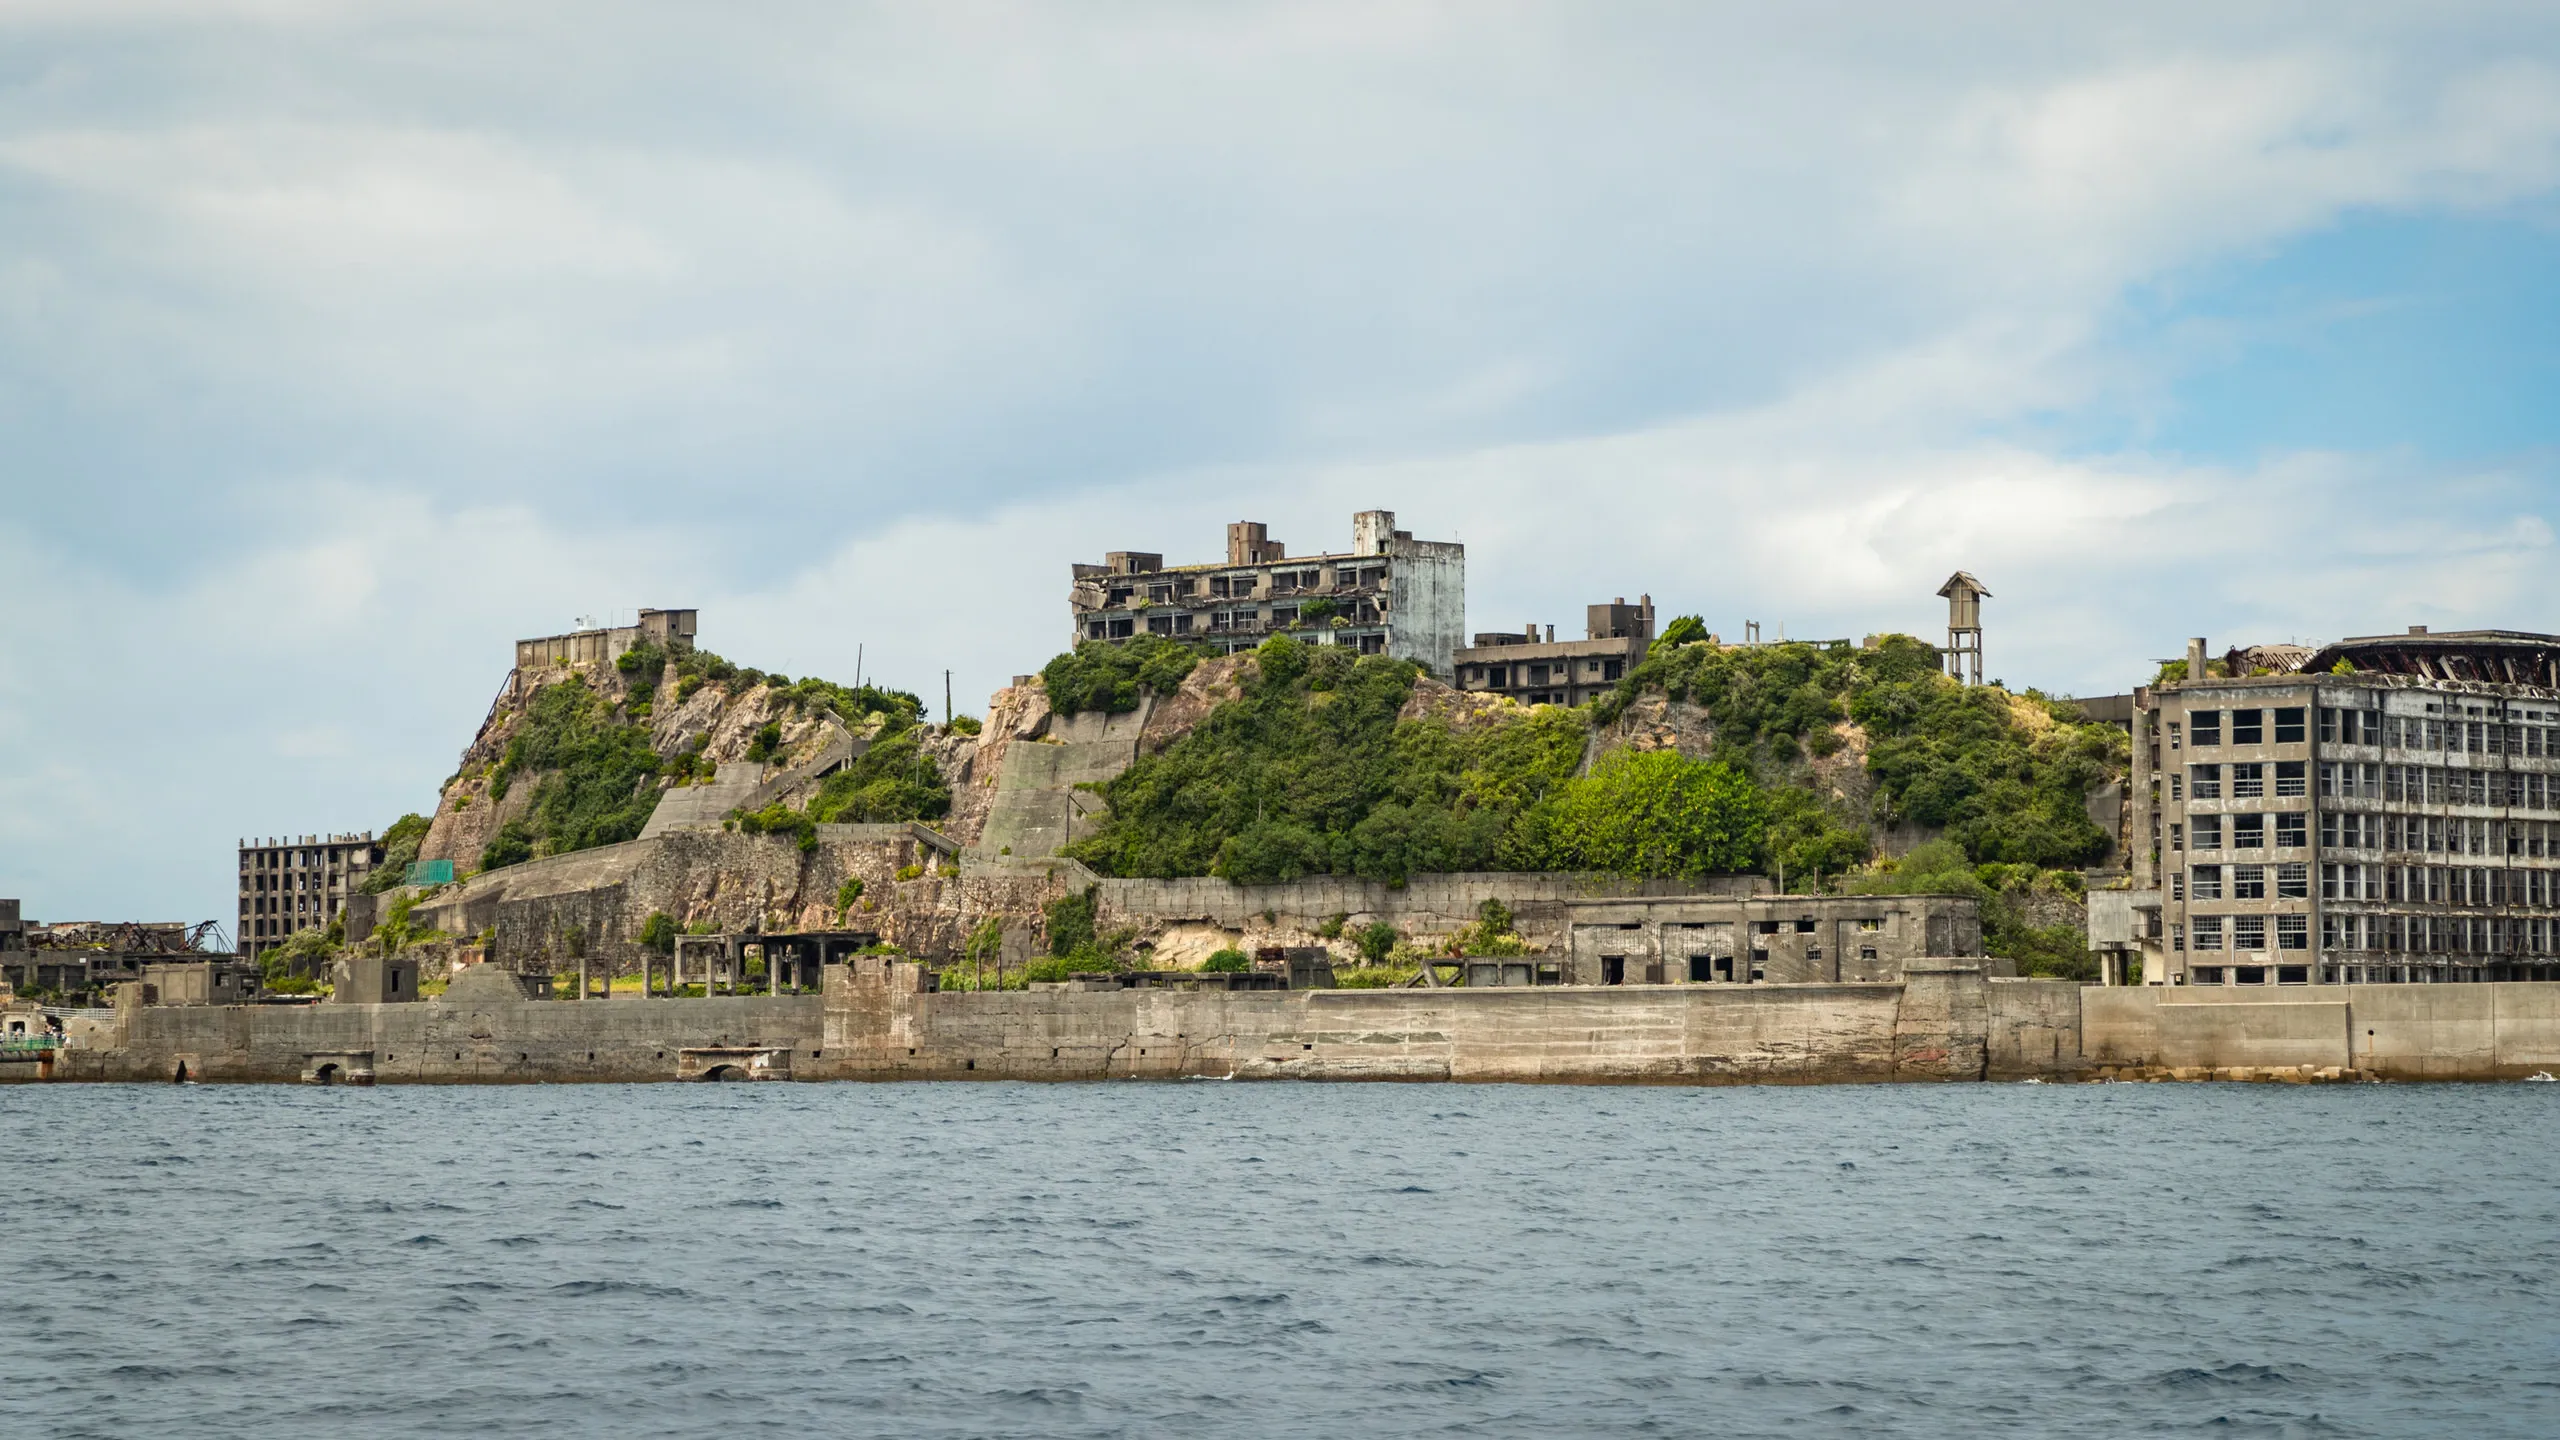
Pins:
<point x="340" y="346"/>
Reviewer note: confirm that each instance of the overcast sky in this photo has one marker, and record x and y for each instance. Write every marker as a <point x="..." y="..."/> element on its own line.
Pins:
<point x="342" y="344"/>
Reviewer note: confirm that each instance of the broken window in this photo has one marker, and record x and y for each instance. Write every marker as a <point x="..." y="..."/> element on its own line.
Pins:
<point x="2248" y="727"/>
<point x="2248" y="882"/>
<point x="2206" y="781"/>
<point x="2248" y="832"/>
<point x="2293" y="932"/>
<point x="2249" y="781"/>
<point x="2208" y="882"/>
<point x="2289" y="777"/>
<point x="2205" y="726"/>
<point x="2293" y="881"/>
<point x="2248" y="932"/>
<point x="2289" y="725"/>
<point x="2208" y="832"/>
<point x="2292" y="829"/>
<point x="2208" y="936"/>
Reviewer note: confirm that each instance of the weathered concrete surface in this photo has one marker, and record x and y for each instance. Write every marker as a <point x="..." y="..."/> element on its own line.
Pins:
<point x="2393" y="1032"/>
<point x="876" y="1020"/>
<point x="484" y="1042"/>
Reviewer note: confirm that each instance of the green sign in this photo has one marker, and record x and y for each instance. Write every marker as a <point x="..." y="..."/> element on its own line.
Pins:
<point x="429" y="872"/>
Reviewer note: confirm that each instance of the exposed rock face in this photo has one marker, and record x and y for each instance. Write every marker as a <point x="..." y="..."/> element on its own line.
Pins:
<point x="1654" y="722"/>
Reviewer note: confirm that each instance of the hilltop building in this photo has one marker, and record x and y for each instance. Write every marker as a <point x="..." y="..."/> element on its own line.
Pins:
<point x="298" y="883"/>
<point x="1548" y="671"/>
<point x="1389" y="594"/>
<point x="671" y="630"/>
<point x="2380" y="810"/>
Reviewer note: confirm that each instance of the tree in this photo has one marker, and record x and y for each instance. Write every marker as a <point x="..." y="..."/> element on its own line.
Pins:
<point x="1653" y="813"/>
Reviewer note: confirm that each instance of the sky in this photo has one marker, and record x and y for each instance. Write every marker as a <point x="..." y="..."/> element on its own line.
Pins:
<point x="341" y="345"/>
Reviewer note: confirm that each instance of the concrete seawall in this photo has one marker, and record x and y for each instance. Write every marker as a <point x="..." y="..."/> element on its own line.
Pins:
<point x="877" y="1021"/>
<point x="2501" y="1031"/>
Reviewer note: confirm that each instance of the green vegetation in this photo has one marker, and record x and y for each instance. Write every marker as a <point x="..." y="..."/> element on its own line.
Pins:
<point x="658" y="933"/>
<point x="643" y="665"/>
<point x="779" y="819"/>
<point x="2004" y="775"/>
<point x="1681" y="631"/>
<point x="399" y="851"/>
<point x="1100" y="676"/>
<point x="1227" y="962"/>
<point x="894" y="780"/>
<point x="595" y="777"/>
<point x="848" y="895"/>
<point x="1310" y="771"/>
<point x="966" y="725"/>
<point x="1376" y="941"/>
<point x="2006" y="892"/>
<point x="765" y="744"/>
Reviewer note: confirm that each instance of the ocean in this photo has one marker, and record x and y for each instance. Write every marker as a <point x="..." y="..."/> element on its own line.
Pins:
<point x="1280" y="1259"/>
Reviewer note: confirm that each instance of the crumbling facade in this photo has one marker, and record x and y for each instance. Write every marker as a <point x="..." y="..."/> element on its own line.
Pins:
<point x="2382" y="810"/>
<point x="1548" y="671"/>
<point x="1390" y="594"/>
<point x="670" y="630"/>
<point x="298" y="883"/>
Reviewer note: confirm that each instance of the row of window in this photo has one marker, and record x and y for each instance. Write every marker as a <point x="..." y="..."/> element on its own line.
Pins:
<point x="2438" y="785"/>
<point x="1239" y="587"/>
<point x="251" y="860"/>
<point x="2243" y="882"/>
<point x="2248" y="780"/>
<point x="2248" y="727"/>
<point x="2368" y="727"/>
<point x="2249" y="932"/>
<point x="2247" y="832"/>
<point x="2440" y="835"/>
<point x="2439" y="885"/>
<point x="1559" y="672"/>
<point x="2441" y="934"/>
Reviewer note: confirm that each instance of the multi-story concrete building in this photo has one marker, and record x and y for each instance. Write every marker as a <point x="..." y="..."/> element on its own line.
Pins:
<point x="1390" y="594"/>
<point x="1547" y="671"/>
<point x="298" y="883"/>
<point x="603" y="644"/>
<point x="2383" y="809"/>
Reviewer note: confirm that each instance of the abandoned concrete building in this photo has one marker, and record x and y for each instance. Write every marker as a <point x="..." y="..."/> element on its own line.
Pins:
<point x="298" y="883"/>
<point x="1546" y="671"/>
<point x="603" y="644"/>
<point x="1759" y="939"/>
<point x="2380" y="810"/>
<point x="1389" y="594"/>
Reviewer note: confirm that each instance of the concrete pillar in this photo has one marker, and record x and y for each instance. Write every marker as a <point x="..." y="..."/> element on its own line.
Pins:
<point x="2146" y="871"/>
<point x="772" y="971"/>
<point x="582" y="977"/>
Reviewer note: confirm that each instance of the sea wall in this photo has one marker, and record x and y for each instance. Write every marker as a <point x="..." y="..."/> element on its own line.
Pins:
<point x="878" y="1020"/>
<point x="2391" y="1032"/>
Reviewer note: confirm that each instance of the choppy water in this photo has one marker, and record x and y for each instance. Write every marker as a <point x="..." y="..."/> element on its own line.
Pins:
<point x="1150" y="1259"/>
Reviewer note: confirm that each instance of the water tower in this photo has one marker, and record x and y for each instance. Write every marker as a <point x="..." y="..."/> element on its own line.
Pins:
<point x="1964" y="626"/>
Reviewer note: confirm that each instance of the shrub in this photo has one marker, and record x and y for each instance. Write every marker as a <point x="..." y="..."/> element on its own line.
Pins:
<point x="643" y="665"/>
<point x="1683" y="630"/>
<point x="1331" y="929"/>
<point x="1376" y="941"/>
<point x="1070" y="923"/>
<point x="658" y="933"/>
<point x="847" y="893"/>
<point x="400" y="844"/>
<point x="766" y="743"/>
<point x="596" y="773"/>
<point x="910" y="872"/>
<point x="779" y="819"/>
<point x="1227" y="962"/>
<point x="894" y="780"/>
<point x="1101" y="676"/>
<point x="966" y="725"/>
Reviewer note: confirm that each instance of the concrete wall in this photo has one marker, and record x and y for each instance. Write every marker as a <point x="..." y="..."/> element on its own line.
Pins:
<point x="2394" y="1032"/>
<point x="877" y="1021"/>
<point x="1427" y="599"/>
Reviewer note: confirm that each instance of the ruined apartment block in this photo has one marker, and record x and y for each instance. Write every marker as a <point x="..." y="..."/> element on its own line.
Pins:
<point x="1548" y="671"/>
<point x="2381" y="810"/>
<point x="1389" y="595"/>
<point x="298" y="883"/>
<point x="671" y="630"/>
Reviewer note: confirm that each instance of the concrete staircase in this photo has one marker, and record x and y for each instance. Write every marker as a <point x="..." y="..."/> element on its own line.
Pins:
<point x="703" y="807"/>
<point x="1037" y="808"/>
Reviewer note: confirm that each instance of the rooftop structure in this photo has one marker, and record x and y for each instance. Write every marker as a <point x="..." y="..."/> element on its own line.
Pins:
<point x="603" y="644"/>
<point x="1389" y="594"/>
<point x="1542" y="670"/>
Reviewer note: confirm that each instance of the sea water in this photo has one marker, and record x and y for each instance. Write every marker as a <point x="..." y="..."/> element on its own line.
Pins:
<point x="1280" y="1259"/>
